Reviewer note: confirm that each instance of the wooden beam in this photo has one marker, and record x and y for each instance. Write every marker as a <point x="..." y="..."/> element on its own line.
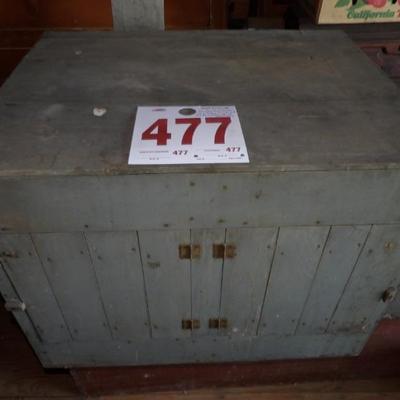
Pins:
<point x="131" y="15"/>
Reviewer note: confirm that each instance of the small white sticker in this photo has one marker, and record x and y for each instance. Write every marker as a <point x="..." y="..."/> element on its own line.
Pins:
<point x="187" y="135"/>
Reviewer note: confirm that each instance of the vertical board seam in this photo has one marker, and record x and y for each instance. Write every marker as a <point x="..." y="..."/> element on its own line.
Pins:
<point x="144" y="287"/>
<point x="349" y="279"/>
<point x="313" y="280"/>
<point x="222" y="277"/>
<point x="268" y="280"/>
<point x="97" y="284"/>
<point x="191" y="280"/>
<point x="50" y="286"/>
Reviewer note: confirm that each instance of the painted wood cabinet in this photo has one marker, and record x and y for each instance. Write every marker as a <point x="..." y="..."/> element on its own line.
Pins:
<point x="295" y="255"/>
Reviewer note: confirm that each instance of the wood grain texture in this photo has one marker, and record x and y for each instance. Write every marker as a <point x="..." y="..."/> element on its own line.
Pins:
<point x="245" y="278"/>
<point x="117" y="262"/>
<point x="296" y="260"/>
<point x="376" y="271"/>
<point x="338" y="260"/>
<point x="137" y="15"/>
<point x="25" y="273"/>
<point x="370" y="365"/>
<point x="206" y="277"/>
<point x="68" y="266"/>
<point x="66" y="204"/>
<point x="347" y="133"/>
<point x="167" y="280"/>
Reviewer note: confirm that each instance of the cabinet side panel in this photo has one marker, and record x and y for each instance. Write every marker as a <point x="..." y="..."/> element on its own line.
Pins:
<point x="340" y="255"/>
<point x="25" y="272"/>
<point x="377" y="270"/>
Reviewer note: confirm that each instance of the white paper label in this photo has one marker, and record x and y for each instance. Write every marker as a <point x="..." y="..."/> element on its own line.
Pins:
<point x="187" y="135"/>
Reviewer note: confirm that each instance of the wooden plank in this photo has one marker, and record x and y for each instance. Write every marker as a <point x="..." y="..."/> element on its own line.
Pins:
<point x="377" y="269"/>
<point x="116" y="259"/>
<point x="207" y="349"/>
<point x="69" y="268"/>
<point x="338" y="260"/>
<point x="296" y="259"/>
<point x="132" y="15"/>
<point x="245" y="278"/>
<point x="70" y="204"/>
<point x="24" y="270"/>
<point x="115" y="66"/>
<point x="167" y="280"/>
<point x="206" y="277"/>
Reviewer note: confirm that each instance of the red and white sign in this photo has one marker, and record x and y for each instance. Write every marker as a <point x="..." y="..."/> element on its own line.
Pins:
<point x="187" y="135"/>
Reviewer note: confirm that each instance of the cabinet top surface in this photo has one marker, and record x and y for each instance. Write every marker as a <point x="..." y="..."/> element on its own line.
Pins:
<point x="307" y="100"/>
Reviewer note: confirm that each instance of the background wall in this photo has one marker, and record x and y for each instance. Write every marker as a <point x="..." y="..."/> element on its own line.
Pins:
<point x="23" y="21"/>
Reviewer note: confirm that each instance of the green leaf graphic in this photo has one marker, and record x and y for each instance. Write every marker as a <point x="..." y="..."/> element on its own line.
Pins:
<point x="342" y="3"/>
<point x="360" y="3"/>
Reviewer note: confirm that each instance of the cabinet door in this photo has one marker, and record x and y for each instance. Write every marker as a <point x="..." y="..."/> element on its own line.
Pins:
<point x="167" y="281"/>
<point x="245" y="278"/>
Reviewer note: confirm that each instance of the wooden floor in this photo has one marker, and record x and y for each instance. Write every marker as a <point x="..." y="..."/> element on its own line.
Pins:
<point x="21" y="375"/>
<point x="354" y="390"/>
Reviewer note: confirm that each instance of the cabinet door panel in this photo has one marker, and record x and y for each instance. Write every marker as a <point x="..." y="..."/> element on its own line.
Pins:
<point x="206" y="278"/>
<point x="116" y="259"/>
<point x="245" y="278"/>
<point x="167" y="280"/>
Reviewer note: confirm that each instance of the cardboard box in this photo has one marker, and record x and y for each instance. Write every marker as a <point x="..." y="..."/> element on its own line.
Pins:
<point x="354" y="11"/>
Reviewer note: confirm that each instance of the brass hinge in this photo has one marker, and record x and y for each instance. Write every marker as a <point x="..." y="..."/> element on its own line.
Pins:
<point x="190" y="324"/>
<point x="188" y="252"/>
<point x="224" y="250"/>
<point x="218" y="323"/>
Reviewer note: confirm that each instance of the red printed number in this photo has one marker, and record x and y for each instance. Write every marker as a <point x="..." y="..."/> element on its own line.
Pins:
<point x="221" y="131"/>
<point x="193" y="124"/>
<point x="158" y="131"/>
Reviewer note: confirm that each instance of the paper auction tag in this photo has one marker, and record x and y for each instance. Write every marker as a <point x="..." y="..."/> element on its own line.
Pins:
<point x="187" y="135"/>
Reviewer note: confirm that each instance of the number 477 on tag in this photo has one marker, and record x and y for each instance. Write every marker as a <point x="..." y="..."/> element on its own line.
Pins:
<point x="158" y="131"/>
